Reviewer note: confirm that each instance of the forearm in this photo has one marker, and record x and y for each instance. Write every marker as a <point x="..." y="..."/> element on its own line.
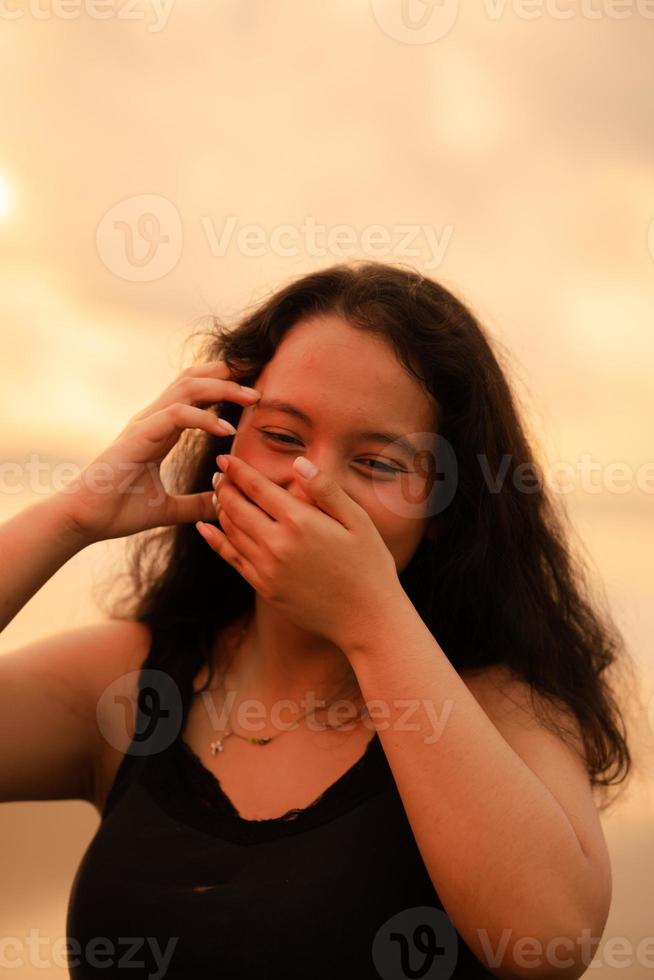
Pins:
<point x="500" y="850"/>
<point x="34" y="544"/>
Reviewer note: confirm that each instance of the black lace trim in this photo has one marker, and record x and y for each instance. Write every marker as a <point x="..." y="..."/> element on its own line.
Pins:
<point x="177" y="780"/>
<point x="183" y="787"/>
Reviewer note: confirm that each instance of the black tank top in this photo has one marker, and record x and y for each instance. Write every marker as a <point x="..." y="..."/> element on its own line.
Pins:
<point x="176" y="885"/>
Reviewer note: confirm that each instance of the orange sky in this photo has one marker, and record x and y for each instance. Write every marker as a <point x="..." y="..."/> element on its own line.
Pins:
<point x="189" y="157"/>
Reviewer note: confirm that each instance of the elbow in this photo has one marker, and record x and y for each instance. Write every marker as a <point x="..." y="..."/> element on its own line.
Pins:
<point x="565" y="949"/>
<point x="545" y="971"/>
<point x="565" y="954"/>
<point x="561" y="948"/>
<point x="559" y="960"/>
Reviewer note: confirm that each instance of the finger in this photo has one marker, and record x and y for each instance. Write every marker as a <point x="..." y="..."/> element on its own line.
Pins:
<point x="218" y="368"/>
<point x="201" y="391"/>
<point x="154" y="437"/>
<point x="209" y="390"/>
<point x="246" y="516"/>
<point x="190" y="507"/>
<point x="208" y="369"/>
<point x="239" y="539"/>
<point x="223" y="547"/>
<point x="330" y="497"/>
<point x="269" y="497"/>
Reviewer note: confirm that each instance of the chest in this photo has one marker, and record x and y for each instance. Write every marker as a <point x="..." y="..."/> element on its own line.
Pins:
<point x="289" y="772"/>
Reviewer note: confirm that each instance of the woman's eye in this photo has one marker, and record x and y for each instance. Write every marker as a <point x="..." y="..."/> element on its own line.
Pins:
<point x="286" y="440"/>
<point x="279" y="436"/>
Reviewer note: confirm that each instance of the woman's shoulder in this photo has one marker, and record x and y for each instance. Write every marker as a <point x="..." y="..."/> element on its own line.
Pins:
<point x="119" y="650"/>
<point x="546" y="734"/>
<point x="123" y="645"/>
<point x="508" y="698"/>
<point x="543" y="731"/>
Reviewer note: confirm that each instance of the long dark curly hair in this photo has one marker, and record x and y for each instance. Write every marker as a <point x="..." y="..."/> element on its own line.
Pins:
<point x="502" y="583"/>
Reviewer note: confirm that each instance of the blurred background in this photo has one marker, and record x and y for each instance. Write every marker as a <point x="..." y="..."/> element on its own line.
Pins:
<point x="168" y="160"/>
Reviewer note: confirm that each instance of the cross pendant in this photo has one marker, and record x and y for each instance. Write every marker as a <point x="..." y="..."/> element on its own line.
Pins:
<point x="218" y="744"/>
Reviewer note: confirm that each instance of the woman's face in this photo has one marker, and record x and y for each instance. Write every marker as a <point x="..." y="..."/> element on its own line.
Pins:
<point x="346" y="382"/>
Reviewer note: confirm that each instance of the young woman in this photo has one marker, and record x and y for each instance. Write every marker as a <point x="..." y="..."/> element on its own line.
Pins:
<point x="372" y="719"/>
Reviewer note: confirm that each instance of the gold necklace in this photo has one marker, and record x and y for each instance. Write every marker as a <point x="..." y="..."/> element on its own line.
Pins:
<point x="218" y="745"/>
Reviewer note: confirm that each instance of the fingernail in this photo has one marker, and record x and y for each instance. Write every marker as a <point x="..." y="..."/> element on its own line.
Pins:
<point x="305" y="467"/>
<point x="226" y="426"/>
<point x="250" y="391"/>
<point x="214" y="499"/>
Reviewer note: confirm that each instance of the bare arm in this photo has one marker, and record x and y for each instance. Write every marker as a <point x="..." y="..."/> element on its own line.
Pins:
<point x="501" y="809"/>
<point x="34" y="544"/>
<point x="51" y="746"/>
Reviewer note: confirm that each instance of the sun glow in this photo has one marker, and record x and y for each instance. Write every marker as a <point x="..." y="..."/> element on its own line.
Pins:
<point x="5" y="197"/>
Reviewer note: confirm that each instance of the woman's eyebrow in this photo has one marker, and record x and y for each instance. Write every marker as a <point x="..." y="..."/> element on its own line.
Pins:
<point x="381" y="436"/>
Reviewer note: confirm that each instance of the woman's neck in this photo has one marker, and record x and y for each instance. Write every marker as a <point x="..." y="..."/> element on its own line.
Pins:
<point x="276" y="659"/>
